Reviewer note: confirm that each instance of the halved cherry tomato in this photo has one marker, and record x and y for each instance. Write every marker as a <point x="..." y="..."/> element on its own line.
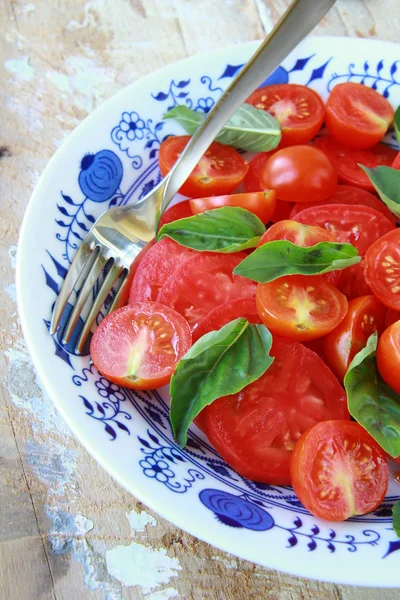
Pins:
<point x="352" y="282"/>
<point x="139" y="345"/>
<point x="388" y="356"/>
<point x="252" y="180"/>
<point x="282" y="211"/>
<point x="382" y="269"/>
<point x="181" y="210"/>
<point x="365" y="315"/>
<point x="346" y="160"/>
<point x="218" y="172"/>
<point x="262" y="204"/>
<point x="396" y="162"/>
<point x="301" y="174"/>
<point x="298" y="109"/>
<point x="300" y="307"/>
<point x="349" y="194"/>
<point x="256" y="430"/>
<point x="357" y="225"/>
<point x="391" y="317"/>
<point x="225" y="313"/>
<point x="339" y="471"/>
<point x="204" y="282"/>
<point x="155" y="268"/>
<point x="357" y="115"/>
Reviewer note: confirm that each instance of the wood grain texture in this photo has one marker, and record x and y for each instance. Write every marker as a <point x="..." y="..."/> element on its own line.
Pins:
<point x="59" y="511"/>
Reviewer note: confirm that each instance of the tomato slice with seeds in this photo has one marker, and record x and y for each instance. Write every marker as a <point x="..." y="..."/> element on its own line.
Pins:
<point x="139" y="345"/>
<point x="225" y="313"/>
<point x="204" y="282"/>
<point x="262" y="204"/>
<point x="218" y="172"/>
<point x="357" y="115"/>
<point x="300" y="307"/>
<point x="252" y="180"/>
<point x="177" y="211"/>
<point x="339" y="471"/>
<point x="365" y="315"/>
<point x="346" y="160"/>
<point x="357" y="225"/>
<point x="256" y="430"/>
<point x="298" y="109"/>
<point x="352" y="282"/>
<point x="388" y="356"/>
<point x="382" y="269"/>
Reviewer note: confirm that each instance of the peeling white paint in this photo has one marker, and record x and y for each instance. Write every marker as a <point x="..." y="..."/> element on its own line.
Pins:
<point x="60" y="80"/>
<point x="165" y="594"/>
<point x="11" y="291"/>
<point x="55" y="465"/>
<point x="28" y="8"/>
<point x="140" y="565"/>
<point x="20" y="68"/>
<point x="12" y="253"/>
<point x="228" y="563"/>
<point x="138" y="521"/>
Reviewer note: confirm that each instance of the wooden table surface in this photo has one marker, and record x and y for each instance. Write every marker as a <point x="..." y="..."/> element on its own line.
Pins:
<point x="60" y="513"/>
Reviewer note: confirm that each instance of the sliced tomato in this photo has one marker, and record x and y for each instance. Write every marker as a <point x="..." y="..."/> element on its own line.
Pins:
<point x="204" y="282"/>
<point x="155" y="268"/>
<point x="282" y="211"/>
<point x="382" y="269"/>
<point x="396" y="162"/>
<point x="298" y="109"/>
<point x="218" y="172"/>
<point x="346" y="160"/>
<point x="365" y="315"/>
<point x="252" y="180"/>
<point x="352" y="282"/>
<point x="388" y="356"/>
<point x="256" y="430"/>
<point x="391" y="317"/>
<point x="139" y="345"/>
<point x="225" y="313"/>
<point x="181" y="210"/>
<point x="301" y="174"/>
<point x="357" y="225"/>
<point x="262" y="204"/>
<point x="357" y="115"/>
<point x="339" y="471"/>
<point x="300" y="307"/>
<point x="349" y="194"/>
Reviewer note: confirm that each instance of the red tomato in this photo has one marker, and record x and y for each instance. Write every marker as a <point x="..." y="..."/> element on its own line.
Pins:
<point x="348" y="194"/>
<point x="256" y="430"/>
<point x="365" y="315"/>
<point x="357" y="115"/>
<point x="139" y="345"/>
<point x="352" y="282"/>
<point x="252" y="180"/>
<point x="388" y="356"/>
<point x="181" y="210"/>
<point x="396" y="162"/>
<point x="382" y="269"/>
<point x="357" y="225"/>
<point x="339" y="471"/>
<point x="204" y="282"/>
<point x="282" y="211"/>
<point x="298" y="109"/>
<point x="300" y="173"/>
<point x="218" y="172"/>
<point x="346" y="160"/>
<point x="157" y="266"/>
<point x="300" y="307"/>
<point x="225" y="313"/>
<point x="262" y="204"/>
<point x="391" y="317"/>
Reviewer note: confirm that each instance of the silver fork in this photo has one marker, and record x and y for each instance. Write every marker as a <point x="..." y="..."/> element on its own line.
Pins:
<point x="121" y="233"/>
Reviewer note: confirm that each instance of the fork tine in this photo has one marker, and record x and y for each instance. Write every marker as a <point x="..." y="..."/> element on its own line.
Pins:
<point x="83" y="295"/>
<point x="105" y="289"/>
<point x="81" y="260"/>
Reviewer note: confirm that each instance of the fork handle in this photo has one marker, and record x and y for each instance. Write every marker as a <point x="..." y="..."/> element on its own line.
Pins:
<point x="300" y="18"/>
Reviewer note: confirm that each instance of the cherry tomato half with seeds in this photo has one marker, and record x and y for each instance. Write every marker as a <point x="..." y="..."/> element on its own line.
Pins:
<point x="352" y="282"/>
<point x="339" y="471"/>
<point x="388" y="356"/>
<point x="301" y="174"/>
<point x="382" y="269"/>
<point x="138" y="346"/>
<point x="261" y="204"/>
<point x="365" y="315"/>
<point x="357" y="115"/>
<point x="298" y="109"/>
<point x="225" y="313"/>
<point x="218" y="172"/>
<point x="300" y="307"/>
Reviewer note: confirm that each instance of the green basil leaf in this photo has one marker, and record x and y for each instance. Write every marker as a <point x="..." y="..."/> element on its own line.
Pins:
<point x="386" y="181"/>
<point x="219" y="364"/>
<point x="396" y="517"/>
<point x="227" y="229"/>
<point x="371" y="402"/>
<point x="396" y="124"/>
<point x="278" y="258"/>
<point x="249" y="128"/>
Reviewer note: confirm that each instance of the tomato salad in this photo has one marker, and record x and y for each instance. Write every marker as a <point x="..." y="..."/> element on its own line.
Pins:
<point x="271" y="299"/>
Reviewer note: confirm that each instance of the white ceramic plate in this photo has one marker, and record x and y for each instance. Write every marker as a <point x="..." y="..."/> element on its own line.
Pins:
<point x="112" y="159"/>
